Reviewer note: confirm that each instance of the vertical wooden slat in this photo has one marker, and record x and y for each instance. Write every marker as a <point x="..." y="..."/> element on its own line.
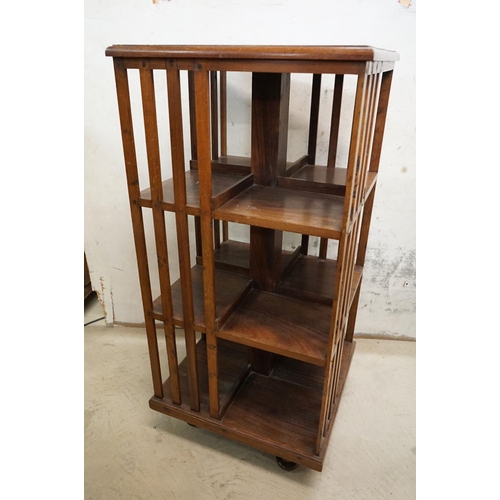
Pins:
<point x="223" y="135"/>
<point x="304" y="244"/>
<point x="313" y="119"/>
<point x="335" y="123"/>
<point x="122" y="89"/>
<point x="217" y="235"/>
<point x="155" y="180"/>
<point x="194" y="151"/>
<point x="223" y="113"/>
<point x="323" y="247"/>
<point x="201" y="86"/>
<point x="192" y="115"/>
<point x="180" y="200"/>
<point x="214" y="112"/>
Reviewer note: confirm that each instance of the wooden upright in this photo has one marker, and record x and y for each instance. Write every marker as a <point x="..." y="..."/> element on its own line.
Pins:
<point x="268" y="332"/>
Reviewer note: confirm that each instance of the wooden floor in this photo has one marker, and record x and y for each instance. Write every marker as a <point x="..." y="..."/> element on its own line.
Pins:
<point x="132" y="451"/>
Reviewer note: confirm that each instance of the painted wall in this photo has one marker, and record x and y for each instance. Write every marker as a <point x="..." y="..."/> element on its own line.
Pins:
<point x="387" y="306"/>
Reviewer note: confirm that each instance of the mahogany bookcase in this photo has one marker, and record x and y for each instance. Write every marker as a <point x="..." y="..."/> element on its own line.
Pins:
<point x="268" y="332"/>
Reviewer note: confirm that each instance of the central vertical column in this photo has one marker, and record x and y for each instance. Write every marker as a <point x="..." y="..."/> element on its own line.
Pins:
<point x="270" y="105"/>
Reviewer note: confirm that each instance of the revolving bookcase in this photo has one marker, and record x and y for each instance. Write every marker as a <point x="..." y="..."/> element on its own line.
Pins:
<point x="268" y="331"/>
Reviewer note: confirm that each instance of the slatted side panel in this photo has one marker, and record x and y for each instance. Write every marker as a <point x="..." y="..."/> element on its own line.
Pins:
<point x="366" y="149"/>
<point x="359" y="160"/>
<point x="223" y="135"/>
<point x="194" y="151"/>
<point x="335" y="122"/>
<point x="127" y="130"/>
<point x="383" y="93"/>
<point x="155" y="180"/>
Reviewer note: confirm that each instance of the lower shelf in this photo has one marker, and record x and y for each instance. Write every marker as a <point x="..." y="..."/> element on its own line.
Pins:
<point x="278" y="414"/>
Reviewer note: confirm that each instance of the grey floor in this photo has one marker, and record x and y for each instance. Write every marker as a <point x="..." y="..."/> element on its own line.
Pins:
<point x="132" y="452"/>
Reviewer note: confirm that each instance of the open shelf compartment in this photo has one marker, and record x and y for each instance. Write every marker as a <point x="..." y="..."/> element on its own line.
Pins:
<point x="322" y="179"/>
<point x="280" y="324"/>
<point x="278" y="414"/>
<point x="230" y="288"/>
<point x="315" y="214"/>
<point x="224" y="186"/>
<point x="234" y="256"/>
<point x="312" y="278"/>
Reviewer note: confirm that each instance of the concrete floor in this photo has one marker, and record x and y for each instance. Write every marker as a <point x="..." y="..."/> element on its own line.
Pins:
<point x="133" y="452"/>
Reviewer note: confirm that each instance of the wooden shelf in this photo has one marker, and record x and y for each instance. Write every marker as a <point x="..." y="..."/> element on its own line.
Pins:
<point x="282" y="325"/>
<point x="242" y="164"/>
<point x="312" y="278"/>
<point x="323" y="179"/>
<point x="278" y="414"/>
<point x="233" y="369"/>
<point x="230" y="289"/>
<point x="224" y="186"/>
<point x="234" y="256"/>
<point x="287" y="210"/>
<point x="228" y="164"/>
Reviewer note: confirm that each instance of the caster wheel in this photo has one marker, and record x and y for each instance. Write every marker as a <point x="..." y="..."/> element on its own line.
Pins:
<point x="286" y="464"/>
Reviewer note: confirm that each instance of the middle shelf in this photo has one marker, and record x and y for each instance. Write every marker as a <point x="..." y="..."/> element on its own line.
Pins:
<point x="293" y="321"/>
<point x="308" y="199"/>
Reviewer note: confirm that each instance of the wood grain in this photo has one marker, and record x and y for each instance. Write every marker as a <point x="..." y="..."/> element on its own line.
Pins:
<point x="286" y="210"/>
<point x="229" y="290"/>
<point x="281" y="325"/>
<point x="221" y="183"/>
<point x="290" y="52"/>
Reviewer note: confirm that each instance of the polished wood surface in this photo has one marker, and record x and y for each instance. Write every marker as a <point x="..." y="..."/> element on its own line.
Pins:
<point x="276" y="326"/>
<point x="286" y="210"/>
<point x="221" y="184"/>
<point x="230" y="289"/>
<point x="280" y="324"/>
<point x="300" y="52"/>
<point x="312" y="279"/>
<point x="322" y="179"/>
<point x="283" y="433"/>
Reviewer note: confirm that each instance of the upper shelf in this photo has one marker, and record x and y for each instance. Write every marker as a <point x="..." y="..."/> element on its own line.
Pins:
<point x="287" y="210"/>
<point x="224" y="186"/>
<point x="323" y="179"/>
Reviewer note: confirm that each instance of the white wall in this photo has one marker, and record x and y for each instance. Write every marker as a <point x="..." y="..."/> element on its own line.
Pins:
<point x="387" y="307"/>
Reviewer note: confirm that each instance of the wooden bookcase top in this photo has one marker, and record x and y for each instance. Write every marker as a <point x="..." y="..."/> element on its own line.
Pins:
<point x="276" y="52"/>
